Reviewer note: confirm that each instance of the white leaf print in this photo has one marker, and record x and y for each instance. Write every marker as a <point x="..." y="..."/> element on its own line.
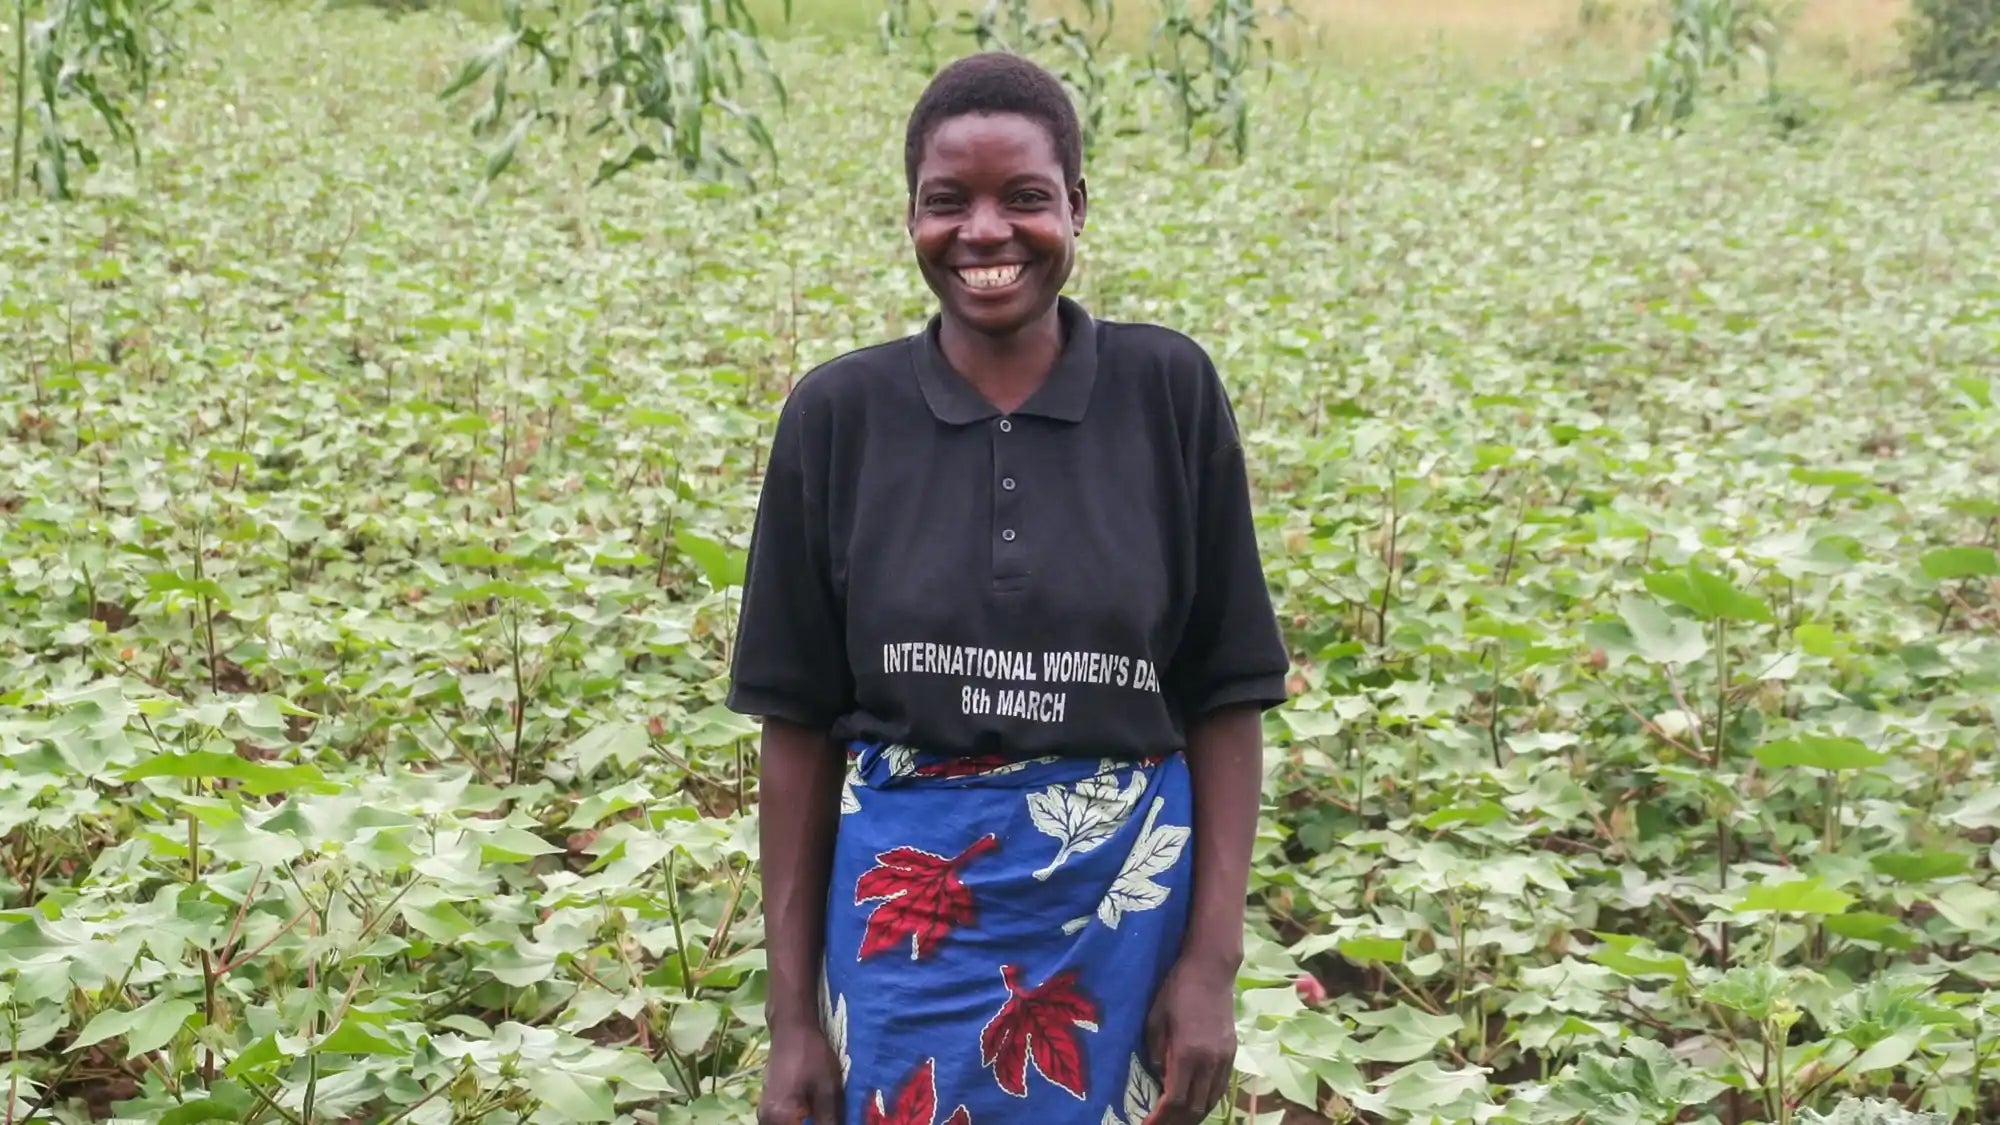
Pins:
<point x="1016" y="767"/>
<point x="1158" y="849"/>
<point x="1140" y="1094"/>
<point x="1137" y="894"/>
<point x="902" y="760"/>
<point x="833" y="1020"/>
<point x="850" y="801"/>
<point x="1083" y="816"/>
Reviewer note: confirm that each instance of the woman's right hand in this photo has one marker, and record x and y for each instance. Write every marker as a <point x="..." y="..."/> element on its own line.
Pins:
<point x="802" y="1082"/>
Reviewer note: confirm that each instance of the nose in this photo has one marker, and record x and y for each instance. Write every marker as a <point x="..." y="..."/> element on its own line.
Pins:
<point x="985" y="225"/>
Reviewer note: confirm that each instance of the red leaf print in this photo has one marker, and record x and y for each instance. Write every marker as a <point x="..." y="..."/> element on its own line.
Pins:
<point x="1038" y="1026"/>
<point x="922" y="898"/>
<point x="916" y="1103"/>
<point x="965" y="767"/>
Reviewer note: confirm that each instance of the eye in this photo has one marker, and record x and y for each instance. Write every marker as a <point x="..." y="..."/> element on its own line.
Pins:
<point x="940" y="201"/>
<point x="1031" y="197"/>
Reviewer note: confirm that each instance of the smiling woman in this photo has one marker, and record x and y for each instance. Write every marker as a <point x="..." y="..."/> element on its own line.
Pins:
<point x="1006" y="622"/>
<point x="997" y="201"/>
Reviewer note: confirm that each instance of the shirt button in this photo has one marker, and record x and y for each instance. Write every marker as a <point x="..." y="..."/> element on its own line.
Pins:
<point x="1008" y="535"/>
<point x="1008" y="484"/>
<point x="1006" y="426"/>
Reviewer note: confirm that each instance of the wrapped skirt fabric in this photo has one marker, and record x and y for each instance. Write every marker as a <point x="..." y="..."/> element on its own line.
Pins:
<point x="997" y="931"/>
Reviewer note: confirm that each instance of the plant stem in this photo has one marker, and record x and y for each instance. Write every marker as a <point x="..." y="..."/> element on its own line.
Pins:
<point x="194" y="841"/>
<point x="1422" y="1001"/>
<point x="20" y="91"/>
<point x="1722" y="867"/>
<point x="1721" y="740"/>
<point x="520" y="702"/>
<point x="1777" y="1050"/>
<point x="1498" y="652"/>
<point x="1458" y="939"/>
<point x="1389" y="566"/>
<point x="427" y="1098"/>
<point x="1719" y="746"/>
<point x="207" y="616"/>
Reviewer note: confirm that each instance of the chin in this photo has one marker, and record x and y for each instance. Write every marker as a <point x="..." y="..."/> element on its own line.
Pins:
<point x="994" y="322"/>
<point x="1001" y="318"/>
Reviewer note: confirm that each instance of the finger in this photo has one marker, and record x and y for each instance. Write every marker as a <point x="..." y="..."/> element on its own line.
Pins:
<point x="1183" y="1074"/>
<point x="1207" y="1083"/>
<point x="1167" y="1109"/>
<point x="1188" y="1108"/>
<point x="1213" y="1085"/>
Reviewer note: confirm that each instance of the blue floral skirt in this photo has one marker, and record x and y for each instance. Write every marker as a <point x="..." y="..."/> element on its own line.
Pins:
<point x="996" y="932"/>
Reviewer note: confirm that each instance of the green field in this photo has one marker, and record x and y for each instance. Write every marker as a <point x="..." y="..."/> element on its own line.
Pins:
<point x="368" y="550"/>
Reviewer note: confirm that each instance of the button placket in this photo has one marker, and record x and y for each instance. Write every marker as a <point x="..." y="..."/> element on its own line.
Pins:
<point x="1008" y="555"/>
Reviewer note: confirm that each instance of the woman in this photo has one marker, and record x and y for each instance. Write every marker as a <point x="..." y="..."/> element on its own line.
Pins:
<point x="1006" y="624"/>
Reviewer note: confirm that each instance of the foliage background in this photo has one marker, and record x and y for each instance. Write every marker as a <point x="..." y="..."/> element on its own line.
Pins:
<point x="370" y="542"/>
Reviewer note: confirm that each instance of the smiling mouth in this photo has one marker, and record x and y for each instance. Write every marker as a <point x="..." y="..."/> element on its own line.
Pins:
<point x="990" y="277"/>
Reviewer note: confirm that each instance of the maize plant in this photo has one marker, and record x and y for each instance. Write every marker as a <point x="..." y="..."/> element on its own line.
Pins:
<point x="654" y="74"/>
<point x="101" y="53"/>
<point x="1204" y="59"/>
<point x="1705" y="39"/>
<point x="1078" y="44"/>
<point x="900" y="22"/>
<point x="1005" y="25"/>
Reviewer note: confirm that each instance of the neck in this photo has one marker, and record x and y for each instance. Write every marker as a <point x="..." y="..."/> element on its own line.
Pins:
<point x="1007" y="369"/>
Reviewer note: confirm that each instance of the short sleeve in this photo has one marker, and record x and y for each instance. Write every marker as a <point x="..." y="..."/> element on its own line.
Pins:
<point x="790" y="659"/>
<point x="1231" y="651"/>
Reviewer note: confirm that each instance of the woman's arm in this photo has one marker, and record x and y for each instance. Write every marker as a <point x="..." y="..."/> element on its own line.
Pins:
<point x="799" y="798"/>
<point x="799" y="802"/>
<point x="1226" y="761"/>
<point x="1192" y="1028"/>
<point x="1230" y="667"/>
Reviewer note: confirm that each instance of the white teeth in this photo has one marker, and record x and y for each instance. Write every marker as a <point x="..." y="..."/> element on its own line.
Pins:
<point x="990" y="277"/>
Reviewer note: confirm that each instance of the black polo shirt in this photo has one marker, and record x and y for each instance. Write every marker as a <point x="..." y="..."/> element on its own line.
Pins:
<point x="1079" y="577"/>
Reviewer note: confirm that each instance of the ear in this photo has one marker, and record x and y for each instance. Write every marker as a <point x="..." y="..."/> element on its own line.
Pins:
<point x="1079" y="205"/>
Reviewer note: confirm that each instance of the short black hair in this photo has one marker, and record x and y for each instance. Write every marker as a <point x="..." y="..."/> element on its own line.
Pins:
<point x="993" y="82"/>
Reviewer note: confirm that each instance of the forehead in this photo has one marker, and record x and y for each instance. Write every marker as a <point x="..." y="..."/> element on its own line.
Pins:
<point x="1001" y="145"/>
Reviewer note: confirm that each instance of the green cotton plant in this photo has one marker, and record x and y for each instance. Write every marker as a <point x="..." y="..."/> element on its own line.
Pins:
<point x="1706" y="43"/>
<point x="1204" y="58"/>
<point x="104" y="54"/>
<point x="368" y="569"/>
<point x="646" y="78"/>
<point x="1871" y="1111"/>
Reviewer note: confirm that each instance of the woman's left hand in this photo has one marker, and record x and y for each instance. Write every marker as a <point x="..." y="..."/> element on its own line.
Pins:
<point x="1191" y="1034"/>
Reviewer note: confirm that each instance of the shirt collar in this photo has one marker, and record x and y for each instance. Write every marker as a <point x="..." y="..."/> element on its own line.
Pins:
<point x="1064" y="396"/>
